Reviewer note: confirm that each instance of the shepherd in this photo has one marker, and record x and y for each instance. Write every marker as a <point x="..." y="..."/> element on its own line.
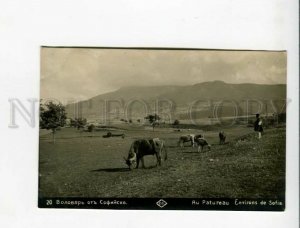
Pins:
<point x="258" y="125"/>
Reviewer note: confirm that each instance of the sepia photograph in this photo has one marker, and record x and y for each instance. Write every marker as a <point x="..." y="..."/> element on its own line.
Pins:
<point x="162" y="128"/>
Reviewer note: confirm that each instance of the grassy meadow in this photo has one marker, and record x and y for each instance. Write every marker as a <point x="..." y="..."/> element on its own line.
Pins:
<point x="84" y="164"/>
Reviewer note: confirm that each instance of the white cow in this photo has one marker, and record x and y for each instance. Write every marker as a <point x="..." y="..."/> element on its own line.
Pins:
<point x="189" y="138"/>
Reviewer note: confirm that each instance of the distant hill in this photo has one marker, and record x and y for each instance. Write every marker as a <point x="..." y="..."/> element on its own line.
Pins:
<point x="182" y="96"/>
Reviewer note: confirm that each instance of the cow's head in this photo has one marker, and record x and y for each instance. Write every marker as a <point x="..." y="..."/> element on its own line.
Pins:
<point x="131" y="160"/>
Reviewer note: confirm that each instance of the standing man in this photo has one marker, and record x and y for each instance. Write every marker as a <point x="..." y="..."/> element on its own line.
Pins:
<point x="258" y="125"/>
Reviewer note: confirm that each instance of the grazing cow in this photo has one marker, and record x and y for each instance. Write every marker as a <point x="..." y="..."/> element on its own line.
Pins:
<point x="199" y="136"/>
<point x="201" y="142"/>
<point x="142" y="147"/>
<point x="222" y="137"/>
<point x="188" y="138"/>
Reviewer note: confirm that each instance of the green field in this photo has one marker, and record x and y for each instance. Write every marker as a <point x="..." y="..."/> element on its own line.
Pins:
<point x="83" y="164"/>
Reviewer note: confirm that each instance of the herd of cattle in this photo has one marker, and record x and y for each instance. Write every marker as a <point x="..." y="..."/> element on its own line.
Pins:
<point x="155" y="146"/>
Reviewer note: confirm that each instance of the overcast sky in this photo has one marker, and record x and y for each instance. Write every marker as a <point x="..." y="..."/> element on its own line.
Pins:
<point x="81" y="73"/>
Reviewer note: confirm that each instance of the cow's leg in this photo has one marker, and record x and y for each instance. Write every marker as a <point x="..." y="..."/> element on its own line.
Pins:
<point x="137" y="162"/>
<point x="160" y="154"/>
<point x="200" y="148"/>
<point x="143" y="162"/>
<point x="158" y="159"/>
<point x="181" y="143"/>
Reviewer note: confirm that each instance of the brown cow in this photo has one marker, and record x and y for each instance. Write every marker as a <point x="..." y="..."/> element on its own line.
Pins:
<point x="201" y="142"/>
<point x="142" y="147"/>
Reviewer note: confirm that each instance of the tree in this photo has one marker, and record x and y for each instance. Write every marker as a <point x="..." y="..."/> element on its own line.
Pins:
<point x="52" y="117"/>
<point x="80" y="123"/>
<point x="153" y="120"/>
<point x="72" y="122"/>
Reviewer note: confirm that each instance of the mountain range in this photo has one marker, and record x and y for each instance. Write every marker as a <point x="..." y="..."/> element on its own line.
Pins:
<point x="182" y="96"/>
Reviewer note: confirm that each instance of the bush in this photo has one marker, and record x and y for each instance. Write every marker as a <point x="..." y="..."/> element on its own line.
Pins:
<point x="176" y="122"/>
<point x="91" y="127"/>
<point x="282" y="117"/>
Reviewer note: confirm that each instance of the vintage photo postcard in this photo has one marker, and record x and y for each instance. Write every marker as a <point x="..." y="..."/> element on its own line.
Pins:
<point x="163" y="129"/>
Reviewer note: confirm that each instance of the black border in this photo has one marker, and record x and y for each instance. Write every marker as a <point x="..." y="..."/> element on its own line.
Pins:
<point x="223" y="204"/>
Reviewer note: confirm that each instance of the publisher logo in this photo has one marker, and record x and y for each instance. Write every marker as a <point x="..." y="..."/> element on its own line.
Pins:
<point x="161" y="203"/>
